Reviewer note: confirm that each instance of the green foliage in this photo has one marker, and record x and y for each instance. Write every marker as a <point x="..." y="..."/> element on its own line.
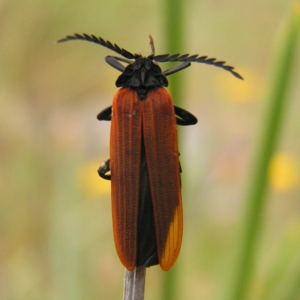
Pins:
<point x="256" y="200"/>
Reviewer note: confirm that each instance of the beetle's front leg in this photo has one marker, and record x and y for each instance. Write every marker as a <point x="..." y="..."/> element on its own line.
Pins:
<point x="103" y="169"/>
<point x="105" y="114"/>
<point x="184" y="117"/>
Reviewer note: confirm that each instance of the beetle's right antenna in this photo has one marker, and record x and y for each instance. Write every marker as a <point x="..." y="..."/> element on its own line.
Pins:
<point x="195" y="58"/>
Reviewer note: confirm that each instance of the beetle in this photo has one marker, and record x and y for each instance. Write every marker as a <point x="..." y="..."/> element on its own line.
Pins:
<point x="144" y="159"/>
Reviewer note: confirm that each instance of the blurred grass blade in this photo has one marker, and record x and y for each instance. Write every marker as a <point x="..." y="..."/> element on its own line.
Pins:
<point x="270" y="127"/>
<point x="174" y="21"/>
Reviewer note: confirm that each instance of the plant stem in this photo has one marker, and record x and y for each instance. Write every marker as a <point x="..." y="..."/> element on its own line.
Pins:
<point x="174" y="21"/>
<point x="134" y="284"/>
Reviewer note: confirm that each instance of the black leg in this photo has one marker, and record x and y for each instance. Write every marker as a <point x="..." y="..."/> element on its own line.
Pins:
<point x="176" y="68"/>
<point x="113" y="61"/>
<point x="105" y="114"/>
<point x="184" y="117"/>
<point x="104" y="168"/>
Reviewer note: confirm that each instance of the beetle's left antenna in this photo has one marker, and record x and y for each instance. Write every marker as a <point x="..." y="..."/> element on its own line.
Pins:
<point x="100" y="41"/>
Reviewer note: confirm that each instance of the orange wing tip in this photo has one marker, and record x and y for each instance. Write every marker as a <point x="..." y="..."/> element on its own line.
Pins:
<point x="170" y="256"/>
<point x="173" y="243"/>
<point x="127" y="262"/>
<point x="129" y="267"/>
<point x="166" y="265"/>
<point x="126" y="256"/>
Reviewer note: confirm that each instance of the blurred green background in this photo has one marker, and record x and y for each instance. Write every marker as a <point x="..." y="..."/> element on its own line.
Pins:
<point x="56" y="234"/>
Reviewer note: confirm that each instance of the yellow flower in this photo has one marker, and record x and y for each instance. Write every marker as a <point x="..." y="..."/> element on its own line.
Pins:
<point x="89" y="181"/>
<point x="283" y="172"/>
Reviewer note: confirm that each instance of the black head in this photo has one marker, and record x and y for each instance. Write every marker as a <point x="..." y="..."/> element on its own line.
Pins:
<point x="143" y="73"/>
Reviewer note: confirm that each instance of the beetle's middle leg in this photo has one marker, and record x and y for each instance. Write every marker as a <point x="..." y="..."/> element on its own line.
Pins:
<point x="103" y="169"/>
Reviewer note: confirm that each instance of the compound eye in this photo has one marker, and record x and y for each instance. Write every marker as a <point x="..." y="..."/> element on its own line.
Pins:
<point x="128" y="70"/>
<point x="163" y="81"/>
<point x="155" y="69"/>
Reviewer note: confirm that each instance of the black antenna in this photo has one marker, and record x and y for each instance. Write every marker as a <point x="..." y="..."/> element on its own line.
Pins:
<point x="198" y="59"/>
<point x="100" y="41"/>
<point x="159" y="58"/>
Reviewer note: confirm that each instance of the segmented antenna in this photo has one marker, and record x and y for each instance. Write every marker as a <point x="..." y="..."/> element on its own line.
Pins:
<point x="157" y="58"/>
<point x="100" y="41"/>
<point x="198" y="59"/>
